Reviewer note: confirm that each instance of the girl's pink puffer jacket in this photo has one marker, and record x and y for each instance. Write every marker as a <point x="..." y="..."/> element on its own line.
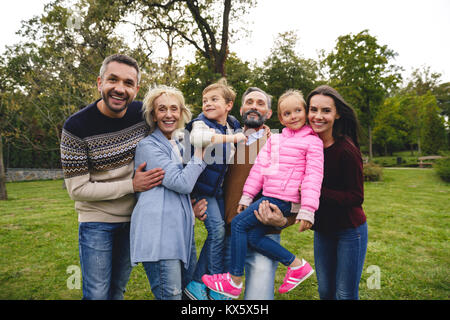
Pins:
<point x="288" y="161"/>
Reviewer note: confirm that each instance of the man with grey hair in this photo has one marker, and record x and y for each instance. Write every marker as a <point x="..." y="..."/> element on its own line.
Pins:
<point x="259" y="269"/>
<point x="97" y="155"/>
<point x="256" y="108"/>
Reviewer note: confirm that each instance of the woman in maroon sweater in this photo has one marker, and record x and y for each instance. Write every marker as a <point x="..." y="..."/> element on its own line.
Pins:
<point x="340" y="228"/>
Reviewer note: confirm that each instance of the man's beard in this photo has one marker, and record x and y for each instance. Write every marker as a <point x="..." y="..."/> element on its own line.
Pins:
<point x="105" y="96"/>
<point x="253" y="122"/>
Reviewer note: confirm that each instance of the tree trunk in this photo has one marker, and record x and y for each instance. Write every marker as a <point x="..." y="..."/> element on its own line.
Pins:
<point x="3" y="194"/>
<point x="370" y="143"/>
<point x="219" y="67"/>
<point x="216" y="56"/>
<point x="223" y="52"/>
<point x="169" y="64"/>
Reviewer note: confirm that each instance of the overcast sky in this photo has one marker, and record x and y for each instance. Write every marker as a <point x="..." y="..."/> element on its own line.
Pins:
<point x="419" y="31"/>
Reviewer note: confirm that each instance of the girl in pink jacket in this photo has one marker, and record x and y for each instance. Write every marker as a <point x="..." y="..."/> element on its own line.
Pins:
<point x="288" y="162"/>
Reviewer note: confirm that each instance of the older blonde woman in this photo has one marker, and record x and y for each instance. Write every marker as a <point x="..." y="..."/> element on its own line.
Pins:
<point x="162" y="223"/>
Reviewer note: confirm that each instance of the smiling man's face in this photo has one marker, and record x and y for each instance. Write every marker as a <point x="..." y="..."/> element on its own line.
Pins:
<point x="118" y="88"/>
<point x="255" y="109"/>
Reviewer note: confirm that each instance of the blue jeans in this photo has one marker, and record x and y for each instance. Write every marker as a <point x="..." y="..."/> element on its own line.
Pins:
<point x="168" y="278"/>
<point x="105" y="259"/>
<point x="339" y="260"/>
<point x="210" y="260"/>
<point x="259" y="271"/>
<point x="246" y="229"/>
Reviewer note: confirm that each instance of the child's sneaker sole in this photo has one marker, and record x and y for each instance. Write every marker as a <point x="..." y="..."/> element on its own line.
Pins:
<point x="225" y="294"/>
<point x="196" y="291"/>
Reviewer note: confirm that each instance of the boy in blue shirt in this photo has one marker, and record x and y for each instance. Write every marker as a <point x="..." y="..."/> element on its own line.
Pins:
<point x="213" y="129"/>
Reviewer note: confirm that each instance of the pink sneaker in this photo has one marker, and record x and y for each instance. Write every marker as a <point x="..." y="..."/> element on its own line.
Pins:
<point x="221" y="283"/>
<point x="294" y="277"/>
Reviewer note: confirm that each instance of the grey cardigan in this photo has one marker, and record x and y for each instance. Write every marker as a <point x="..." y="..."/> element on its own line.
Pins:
<point x="162" y="223"/>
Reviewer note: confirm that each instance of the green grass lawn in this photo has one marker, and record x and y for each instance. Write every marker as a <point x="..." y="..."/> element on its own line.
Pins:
<point x="407" y="213"/>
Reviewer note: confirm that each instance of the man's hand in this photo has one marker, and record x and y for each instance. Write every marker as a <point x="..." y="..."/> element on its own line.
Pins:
<point x="269" y="214"/>
<point x="200" y="209"/>
<point x="145" y="180"/>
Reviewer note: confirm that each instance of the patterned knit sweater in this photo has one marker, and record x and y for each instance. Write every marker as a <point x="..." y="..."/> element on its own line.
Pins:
<point x="97" y="156"/>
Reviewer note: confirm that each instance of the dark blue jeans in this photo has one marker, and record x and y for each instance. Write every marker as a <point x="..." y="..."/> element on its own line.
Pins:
<point x="105" y="259"/>
<point x="246" y="229"/>
<point x="260" y="271"/>
<point x="339" y="260"/>
<point x="211" y="257"/>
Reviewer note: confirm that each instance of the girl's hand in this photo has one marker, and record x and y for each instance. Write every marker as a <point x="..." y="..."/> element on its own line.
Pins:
<point x="304" y="225"/>
<point x="241" y="208"/>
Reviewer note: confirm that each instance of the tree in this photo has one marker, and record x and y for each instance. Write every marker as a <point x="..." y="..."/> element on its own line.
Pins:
<point x="53" y="72"/>
<point x="360" y="69"/>
<point x="413" y="110"/>
<point x="3" y="118"/>
<point x="3" y="193"/>
<point x="285" y="69"/>
<point x="430" y="105"/>
<point x="434" y="129"/>
<point x="391" y="127"/>
<point x="423" y="80"/>
<point x="198" y="75"/>
<point x="442" y="93"/>
<point x="203" y="24"/>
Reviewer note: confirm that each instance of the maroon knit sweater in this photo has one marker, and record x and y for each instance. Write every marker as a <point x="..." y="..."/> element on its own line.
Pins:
<point x="342" y="191"/>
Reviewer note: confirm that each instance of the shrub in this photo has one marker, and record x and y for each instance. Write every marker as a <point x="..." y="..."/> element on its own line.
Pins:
<point x="442" y="167"/>
<point x="372" y="172"/>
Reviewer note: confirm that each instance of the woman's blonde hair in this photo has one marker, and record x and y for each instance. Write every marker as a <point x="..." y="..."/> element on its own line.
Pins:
<point x="288" y="93"/>
<point x="149" y="105"/>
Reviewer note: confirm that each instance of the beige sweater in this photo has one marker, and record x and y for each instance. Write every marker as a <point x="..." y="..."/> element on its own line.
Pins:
<point x="97" y="156"/>
<point x="114" y="188"/>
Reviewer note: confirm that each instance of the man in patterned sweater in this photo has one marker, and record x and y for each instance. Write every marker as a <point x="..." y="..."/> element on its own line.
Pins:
<point x="97" y="155"/>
